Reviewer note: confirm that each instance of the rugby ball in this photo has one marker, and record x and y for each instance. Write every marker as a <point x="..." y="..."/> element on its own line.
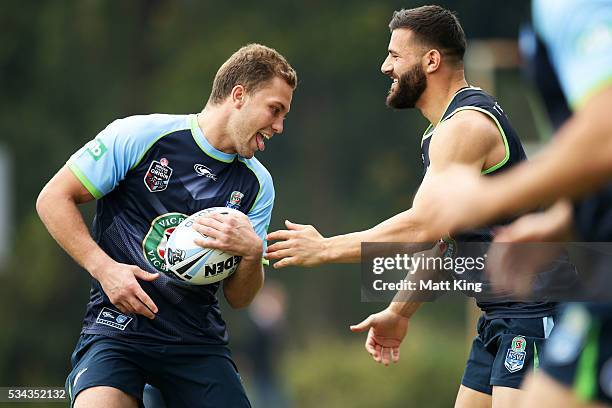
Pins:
<point x="190" y="262"/>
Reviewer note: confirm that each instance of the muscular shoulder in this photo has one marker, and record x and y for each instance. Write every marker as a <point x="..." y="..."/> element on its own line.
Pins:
<point x="465" y="138"/>
<point x="154" y="124"/>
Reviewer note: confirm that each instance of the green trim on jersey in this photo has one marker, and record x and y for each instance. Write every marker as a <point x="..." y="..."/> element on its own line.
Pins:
<point x="259" y="193"/>
<point x="194" y="126"/>
<point x="501" y="131"/>
<point x="85" y="181"/>
<point x="536" y="359"/>
<point x="599" y="86"/>
<point x="264" y="261"/>
<point x="425" y="133"/>
<point x="585" y="384"/>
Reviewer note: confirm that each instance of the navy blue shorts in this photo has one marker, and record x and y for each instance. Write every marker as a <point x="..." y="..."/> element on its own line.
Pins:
<point x="504" y="351"/>
<point x="186" y="375"/>
<point x="579" y="353"/>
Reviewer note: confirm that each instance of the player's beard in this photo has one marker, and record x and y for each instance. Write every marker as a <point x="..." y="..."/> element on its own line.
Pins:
<point x="409" y="88"/>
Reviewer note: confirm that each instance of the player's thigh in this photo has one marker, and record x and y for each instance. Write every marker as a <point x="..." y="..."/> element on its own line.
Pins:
<point x="107" y="366"/>
<point x="506" y="397"/>
<point x="542" y="391"/>
<point x="469" y="398"/>
<point x="104" y="397"/>
<point x="203" y="382"/>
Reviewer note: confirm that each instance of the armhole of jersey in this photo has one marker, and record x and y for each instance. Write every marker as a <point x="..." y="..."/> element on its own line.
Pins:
<point x="501" y="132"/>
<point x="428" y="132"/>
<point x="97" y="194"/>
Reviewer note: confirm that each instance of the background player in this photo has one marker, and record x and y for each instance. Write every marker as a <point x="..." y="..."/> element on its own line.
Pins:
<point x="148" y="173"/>
<point x="577" y="35"/>
<point x="468" y="127"/>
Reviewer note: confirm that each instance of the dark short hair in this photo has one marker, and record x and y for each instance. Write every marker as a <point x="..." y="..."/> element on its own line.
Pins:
<point x="252" y="66"/>
<point x="433" y="26"/>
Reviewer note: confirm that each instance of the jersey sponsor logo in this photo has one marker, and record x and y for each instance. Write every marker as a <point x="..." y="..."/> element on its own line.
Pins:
<point x="112" y="318"/>
<point x="154" y="243"/>
<point x="96" y="149"/>
<point x="234" y="200"/>
<point x="158" y="176"/>
<point x="202" y="170"/>
<point x="219" y="267"/>
<point x="515" y="357"/>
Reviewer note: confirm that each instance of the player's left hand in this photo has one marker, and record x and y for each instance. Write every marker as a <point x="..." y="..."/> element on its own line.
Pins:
<point x="232" y="233"/>
<point x="298" y="245"/>
<point x="386" y="330"/>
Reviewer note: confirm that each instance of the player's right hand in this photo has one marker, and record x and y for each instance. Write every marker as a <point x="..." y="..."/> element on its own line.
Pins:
<point x="120" y="285"/>
<point x="298" y="245"/>
<point x="386" y="331"/>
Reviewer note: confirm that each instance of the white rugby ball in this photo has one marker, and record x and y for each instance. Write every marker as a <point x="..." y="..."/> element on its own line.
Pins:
<point x="190" y="262"/>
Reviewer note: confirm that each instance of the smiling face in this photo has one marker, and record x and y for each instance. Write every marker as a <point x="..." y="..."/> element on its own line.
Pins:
<point x="258" y="116"/>
<point x="404" y="66"/>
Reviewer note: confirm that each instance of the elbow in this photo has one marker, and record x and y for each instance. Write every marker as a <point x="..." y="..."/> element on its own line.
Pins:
<point x="240" y="298"/>
<point x="427" y="235"/>
<point x="238" y="302"/>
<point x="42" y="202"/>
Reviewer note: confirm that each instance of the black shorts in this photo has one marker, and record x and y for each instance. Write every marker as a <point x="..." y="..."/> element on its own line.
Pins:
<point x="504" y="351"/>
<point x="579" y="353"/>
<point x="186" y="375"/>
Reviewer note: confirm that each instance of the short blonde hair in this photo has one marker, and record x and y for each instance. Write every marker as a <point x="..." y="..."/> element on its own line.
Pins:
<point x="252" y="66"/>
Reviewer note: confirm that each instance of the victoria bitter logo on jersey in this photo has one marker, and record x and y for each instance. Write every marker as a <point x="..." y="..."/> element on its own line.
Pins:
<point x="154" y="243"/>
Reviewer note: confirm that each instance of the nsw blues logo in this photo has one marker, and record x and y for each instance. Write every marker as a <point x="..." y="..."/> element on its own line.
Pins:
<point x="157" y="177"/>
<point x="515" y="357"/>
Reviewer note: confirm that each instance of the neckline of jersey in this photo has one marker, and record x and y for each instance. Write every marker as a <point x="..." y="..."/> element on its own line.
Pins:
<point x="205" y="145"/>
<point x="430" y="129"/>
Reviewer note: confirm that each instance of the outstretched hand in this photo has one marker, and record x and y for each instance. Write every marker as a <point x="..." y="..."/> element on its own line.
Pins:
<point x="298" y="245"/>
<point x="386" y="330"/>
